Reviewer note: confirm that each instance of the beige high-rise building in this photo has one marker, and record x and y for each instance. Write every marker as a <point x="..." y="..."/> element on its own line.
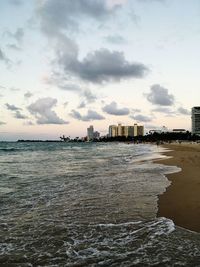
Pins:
<point x="131" y="131"/>
<point x="119" y="130"/>
<point x="113" y="131"/>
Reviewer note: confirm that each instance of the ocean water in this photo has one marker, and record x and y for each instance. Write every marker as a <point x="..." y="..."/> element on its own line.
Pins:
<point x="87" y="204"/>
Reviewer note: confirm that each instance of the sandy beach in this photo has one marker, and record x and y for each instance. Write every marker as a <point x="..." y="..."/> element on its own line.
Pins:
<point x="181" y="201"/>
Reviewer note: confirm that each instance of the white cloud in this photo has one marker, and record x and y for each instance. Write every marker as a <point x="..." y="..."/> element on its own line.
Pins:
<point x="42" y="110"/>
<point x="113" y="109"/>
<point x="90" y="116"/>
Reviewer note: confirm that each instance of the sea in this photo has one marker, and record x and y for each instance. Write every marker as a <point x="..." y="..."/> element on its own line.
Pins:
<point x="88" y="204"/>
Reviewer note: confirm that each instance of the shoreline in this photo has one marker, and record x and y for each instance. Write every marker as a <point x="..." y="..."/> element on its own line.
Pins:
<point x="181" y="200"/>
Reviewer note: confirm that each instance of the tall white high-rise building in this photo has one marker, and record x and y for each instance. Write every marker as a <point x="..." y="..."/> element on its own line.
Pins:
<point x="90" y="133"/>
<point x="196" y="120"/>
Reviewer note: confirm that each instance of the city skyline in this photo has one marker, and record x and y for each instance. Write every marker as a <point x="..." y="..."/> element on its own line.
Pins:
<point x="69" y="64"/>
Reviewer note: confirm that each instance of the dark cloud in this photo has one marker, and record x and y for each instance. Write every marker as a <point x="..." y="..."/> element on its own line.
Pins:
<point x="14" y="47"/>
<point x="42" y="110"/>
<point x="65" y="15"/>
<point x="96" y="67"/>
<point x="90" y="116"/>
<point x="28" y="94"/>
<point x="101" y="66"/>
<point x="159" y="96"/>
<point x="19" y="115"/>
<point x="115" y="39"/>
<point x="82" y="105"/>
<point x="141" y="118"/>
<point x="184" y="111"/>
<point x="12" y="107"/>
<point x="113" y="109"/>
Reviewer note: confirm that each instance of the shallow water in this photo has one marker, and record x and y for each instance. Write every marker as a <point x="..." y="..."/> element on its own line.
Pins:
<point x="87" y="204"/>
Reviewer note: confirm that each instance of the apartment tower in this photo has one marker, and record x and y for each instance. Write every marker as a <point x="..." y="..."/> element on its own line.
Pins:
<point x="196" y="120"/>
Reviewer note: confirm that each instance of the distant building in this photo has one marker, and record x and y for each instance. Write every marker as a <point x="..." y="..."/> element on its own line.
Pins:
<point x="112" y="131"/>
<point x="140" y="130"/>
<point x="96" y="135"/>
<point x="90" y="133"/>
<point x="196" y="120"/>
<point x="120" y="130"/>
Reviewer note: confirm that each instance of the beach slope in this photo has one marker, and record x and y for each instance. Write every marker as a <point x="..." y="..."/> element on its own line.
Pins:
<point x="181" y="201"/>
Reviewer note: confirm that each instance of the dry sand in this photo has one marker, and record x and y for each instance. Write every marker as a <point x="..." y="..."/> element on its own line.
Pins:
<point x="181" y="201"/>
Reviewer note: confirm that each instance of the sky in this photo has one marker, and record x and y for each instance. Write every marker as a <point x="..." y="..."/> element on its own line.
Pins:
<point x="69" y="64"/>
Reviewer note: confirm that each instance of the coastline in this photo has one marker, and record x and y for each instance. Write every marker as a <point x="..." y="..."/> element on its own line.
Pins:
<point x="181" y="201"/>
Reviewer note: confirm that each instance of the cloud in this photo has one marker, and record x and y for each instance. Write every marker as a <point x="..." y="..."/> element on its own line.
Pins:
<point x="100" y="66"/>
<point x="60" y="15"/>
<point x="82" y="105"/>
<point x="167" y="111"/>
<point x="2" y="123"/>
<point x="42" y="110"/>
<point x="135" y="110"/>
<point x="90" y="116"/>
<point x="59" y="80"/>
<point x="28" y="94"/>
<point x="56" y="17"/>
<point x="3" y="57"/>
<point x="112" y="3"/>
<point x="18" y="35"/>
<point x="14" y="47"/>
<point x="115" y="39"/>
<point x="141" y="118"/>
<point x="114" y="110"/>
<point x="19" y="115"/>
<point x="184" y="111"/>
<point x="160" y="96"/>
<point x="14" y="89"/>
<point x="87" y="97"/>
<point x="28" y="123"/>
<point x="65" y="104"/>
<point x="12" y="107"/>
<point x="15" y="2"/>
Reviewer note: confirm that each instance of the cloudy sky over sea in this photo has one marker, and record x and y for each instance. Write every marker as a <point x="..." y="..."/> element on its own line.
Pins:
<point x="66" y="64"/>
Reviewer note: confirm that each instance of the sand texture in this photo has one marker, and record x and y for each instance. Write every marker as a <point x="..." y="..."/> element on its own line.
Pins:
<point x="181" y="201"/>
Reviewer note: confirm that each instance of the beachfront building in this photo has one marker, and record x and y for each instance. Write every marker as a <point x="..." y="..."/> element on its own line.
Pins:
<point x="112" y="131"/>
<point x="196" y="120"/>
<point x="120" y="130"/>
<point x="96" y="135"/>
<point x="90" y="133"/>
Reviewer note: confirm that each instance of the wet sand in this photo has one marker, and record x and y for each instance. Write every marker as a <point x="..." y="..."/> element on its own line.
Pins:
<point x="181" y="201"/>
